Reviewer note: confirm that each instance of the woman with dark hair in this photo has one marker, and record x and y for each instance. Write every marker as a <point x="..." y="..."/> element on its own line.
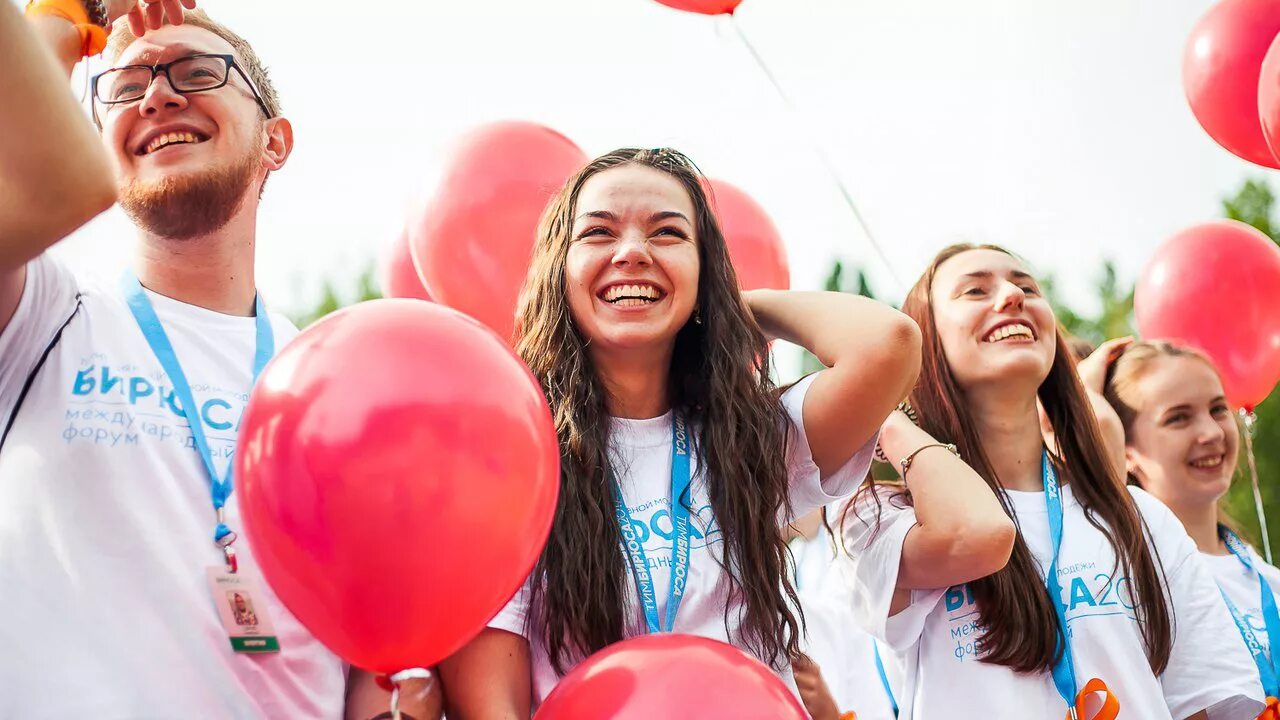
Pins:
<point x="680" y="459"/>
<point x="1181" y="443"/>
<point x="1104" y="606"/>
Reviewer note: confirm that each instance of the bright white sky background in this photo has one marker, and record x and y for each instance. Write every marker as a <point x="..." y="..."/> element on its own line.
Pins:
<point x="1058" y="129"/>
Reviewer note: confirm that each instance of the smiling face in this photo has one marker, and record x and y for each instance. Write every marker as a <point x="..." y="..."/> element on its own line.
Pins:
<point x="1182" y="440"/>
<point x="632" y="268"/>
<point x="185" y="162"/>
<point x="992" y="321"/>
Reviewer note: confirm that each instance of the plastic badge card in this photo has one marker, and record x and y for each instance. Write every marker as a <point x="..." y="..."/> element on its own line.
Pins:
<point x="243" y="613"/>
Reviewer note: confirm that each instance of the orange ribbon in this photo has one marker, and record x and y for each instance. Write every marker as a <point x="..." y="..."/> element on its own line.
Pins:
<point x="1273" y="710"/>
<point x="1110" y="709"/>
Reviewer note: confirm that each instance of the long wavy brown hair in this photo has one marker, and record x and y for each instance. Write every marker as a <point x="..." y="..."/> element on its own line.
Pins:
<point x="719" y="382"/>
<point x="1019" y="622"/>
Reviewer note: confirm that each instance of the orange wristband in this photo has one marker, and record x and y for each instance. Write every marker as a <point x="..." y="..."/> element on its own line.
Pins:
<point x="93" y="38"/>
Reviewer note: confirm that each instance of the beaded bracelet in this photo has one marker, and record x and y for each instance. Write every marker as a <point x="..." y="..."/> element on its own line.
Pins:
<point x="910" y="412"/>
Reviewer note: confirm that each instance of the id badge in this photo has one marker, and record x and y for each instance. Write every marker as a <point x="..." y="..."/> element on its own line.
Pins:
<point x="243" y="612"/>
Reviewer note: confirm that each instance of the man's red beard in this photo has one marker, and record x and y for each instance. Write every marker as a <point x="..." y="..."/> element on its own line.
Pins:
<point x="191" y="204"/>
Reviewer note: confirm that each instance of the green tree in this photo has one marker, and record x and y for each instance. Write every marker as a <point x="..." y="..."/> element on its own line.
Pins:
<point x="1254" y="204"/>
<point x="836" y="282"/>
<point x="1115" y="319"/>
<point x="330" y="298"/>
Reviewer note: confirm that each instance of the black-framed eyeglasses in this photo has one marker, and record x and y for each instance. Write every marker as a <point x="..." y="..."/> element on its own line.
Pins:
<point x="191" y="74"/>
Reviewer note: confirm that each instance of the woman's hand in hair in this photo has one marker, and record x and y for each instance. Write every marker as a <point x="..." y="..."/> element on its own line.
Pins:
<point x="873" y="355"/>
<point x="1093" y="369"/>
<point x="962" y="532"/>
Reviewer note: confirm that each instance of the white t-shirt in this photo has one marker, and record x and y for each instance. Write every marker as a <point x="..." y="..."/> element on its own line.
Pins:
<point x="1241" y="585"/>
<point x="844" y="652"/>
<point x="814" y="557"/>
<point x="640" y="452"/>
<point x="1208" y="666"/>
<point x="106" y="525"/>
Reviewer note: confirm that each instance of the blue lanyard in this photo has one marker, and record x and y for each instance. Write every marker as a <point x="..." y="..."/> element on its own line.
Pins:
<point x="1267" y="668"/>
<point x="152" y="329"/>
<point x="1064" y="672"/>
<point x="681" y="475"/>
<point x="884" y="678"/>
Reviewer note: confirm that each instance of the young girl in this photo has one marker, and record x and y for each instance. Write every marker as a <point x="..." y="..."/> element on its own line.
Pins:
<point x="1181" y="442"/>
<point x="1146" y="632"/>
<point x="680" y="459"/>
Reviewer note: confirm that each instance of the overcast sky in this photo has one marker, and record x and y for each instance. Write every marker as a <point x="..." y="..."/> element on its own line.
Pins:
<point x="1057" y="129"/>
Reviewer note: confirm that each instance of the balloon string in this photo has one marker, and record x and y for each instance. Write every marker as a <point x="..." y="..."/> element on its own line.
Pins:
<point x="1249" y="420"/>
<point x="400" y="677"/>
<point x="818" y="150"/>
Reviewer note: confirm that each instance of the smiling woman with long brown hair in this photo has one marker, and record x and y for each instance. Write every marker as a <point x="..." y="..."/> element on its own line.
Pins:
<point x="1144" y="624"/>
<point x="680" y="458"/>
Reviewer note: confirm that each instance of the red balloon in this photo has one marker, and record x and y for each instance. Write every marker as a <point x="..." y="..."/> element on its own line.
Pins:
<point x="1220" y="71"/>
<point x="398" y="470"/>
<point x="473" y="241"/>
<point x="1269" y="97"/>
<point x="399" y="276"/>
<point x="645" y="677"/>
<point x="705" y="7"/>
<point x="1216" y="286"/>
<point x="755" y="247"/>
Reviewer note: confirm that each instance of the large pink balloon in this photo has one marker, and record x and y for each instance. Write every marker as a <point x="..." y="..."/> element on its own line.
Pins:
<point x="398" y="471"/>
<point x="1220" y="71"/>
<point x="704" y="7"/>
<point x="474" y="239"/>
<point x="1269" y="97"/>
<point x="755" y="247"/>
<point x="1216" y="286"/>
<point x="399" y="276"/>
<point x="645" y="677"/>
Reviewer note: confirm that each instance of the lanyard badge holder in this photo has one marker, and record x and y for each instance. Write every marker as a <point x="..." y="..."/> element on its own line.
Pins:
<point x="1268" y="670"/>
<point x="681" y="477"/>
<point x="1064" y="672"/>
<point x="235" y="595"/>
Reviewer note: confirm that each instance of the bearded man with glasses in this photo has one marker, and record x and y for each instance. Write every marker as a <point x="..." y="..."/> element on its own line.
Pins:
<point x="119" y="400"/>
